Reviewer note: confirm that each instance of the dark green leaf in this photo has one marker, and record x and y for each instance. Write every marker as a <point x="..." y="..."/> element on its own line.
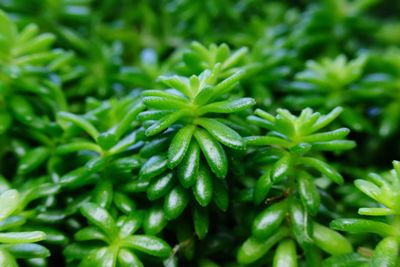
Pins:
<point x="99" y="217"/>
<point x="179" y="145"/>
<point x="175" y="202"/>
<point x="222" y="133"/>
<point x="189" y="167"/>
<point x="148" y="244"/>
<point x="213" y="152"/>
<point x="203" y="188"/>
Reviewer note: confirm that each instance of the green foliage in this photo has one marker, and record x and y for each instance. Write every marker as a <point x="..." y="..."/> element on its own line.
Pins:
<point x="294" y="138"/>
<point x="384" y="189"/>
<point x="119" y="237"/>
<point x="199" y="133"/>
<point x="292" y="158"/>
<point x="27" y="61"/>
<point x="14" y="243"/>
<point x="198" y="58"/>
<point x="189" y="104"/>
<point x="106" y="140"/>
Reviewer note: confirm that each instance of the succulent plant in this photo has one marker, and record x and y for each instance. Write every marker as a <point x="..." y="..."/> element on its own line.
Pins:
<point x="199" y="133"/>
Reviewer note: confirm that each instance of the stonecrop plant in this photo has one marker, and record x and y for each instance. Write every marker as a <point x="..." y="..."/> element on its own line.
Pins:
<point x="189" y="103"/>
<point x="384" y="189"/>
<point x="16" y="243"/>
<point x="292" y="159"/>
<point x="119" y="237"/>
<point x="199" y="133"/>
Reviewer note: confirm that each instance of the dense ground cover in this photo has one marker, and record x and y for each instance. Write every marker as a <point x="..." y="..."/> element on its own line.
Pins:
<point x="199" y="133"/>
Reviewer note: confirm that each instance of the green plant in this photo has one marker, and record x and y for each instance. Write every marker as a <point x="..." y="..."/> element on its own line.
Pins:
<point x="26" y="60"/>
<point x="384" y="189"/>
<point x="198" y="58"/>
<point x="331" y="83"/>
<point x="15" y="244"/>
<point x="291" y="160"/>
<point x="119" y="238"/>
<point x="188" y="104"/>
<point x="199" y="133"/>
